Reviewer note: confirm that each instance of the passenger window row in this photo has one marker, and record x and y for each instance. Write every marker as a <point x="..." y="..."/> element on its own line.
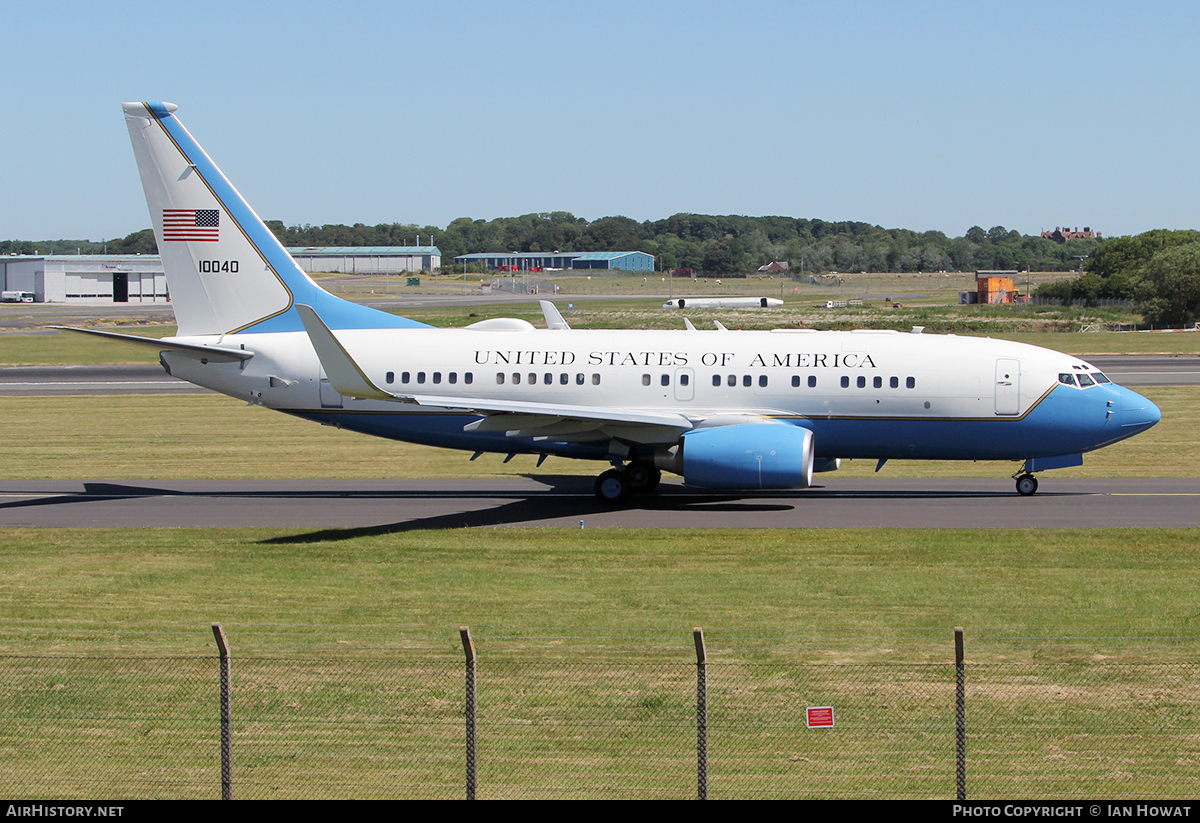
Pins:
<point x="747" y="380"/>
<point x="452" y="377"/>
<point x="665" y="380"/>
<point x="732" y="380"/>
<point x="877" y="382"/>
<point x="547" y="379"/>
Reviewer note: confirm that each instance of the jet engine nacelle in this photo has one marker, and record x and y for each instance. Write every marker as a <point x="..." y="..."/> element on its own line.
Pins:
<point x="749" y="456"/>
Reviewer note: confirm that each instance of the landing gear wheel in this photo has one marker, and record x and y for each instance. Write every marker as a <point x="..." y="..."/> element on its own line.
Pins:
<point x="643" y="476"/>
<point x="613" y="487"/>
<point x="1026" y="485"/>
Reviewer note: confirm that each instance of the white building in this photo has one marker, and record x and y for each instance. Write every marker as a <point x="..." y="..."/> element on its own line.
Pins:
<point x="86" y="278"/>
<point x="367" y="259"/>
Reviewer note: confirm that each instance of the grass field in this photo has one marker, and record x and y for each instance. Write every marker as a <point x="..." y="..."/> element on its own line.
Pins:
<point x="24" y="348"/>
<point x="924" y="286"/>
<point x="348" y="671"/>
<point x="277" y="589"/>
<point x="935" y="307"/>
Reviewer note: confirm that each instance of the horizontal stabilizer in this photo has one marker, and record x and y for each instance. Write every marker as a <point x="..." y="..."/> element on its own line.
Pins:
<point x="215" y="354"/>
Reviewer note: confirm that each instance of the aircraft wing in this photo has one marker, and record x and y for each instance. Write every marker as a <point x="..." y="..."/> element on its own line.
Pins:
<point x="562" y="422"/>
<point x="517" y="418"/>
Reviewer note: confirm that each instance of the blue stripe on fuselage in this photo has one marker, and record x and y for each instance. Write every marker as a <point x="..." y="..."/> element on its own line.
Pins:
<point x="335" y="312"/>
<point x="1066" y="421"/>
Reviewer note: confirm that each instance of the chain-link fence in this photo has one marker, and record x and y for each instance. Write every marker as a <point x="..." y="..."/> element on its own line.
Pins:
<point x="596" y="725"/>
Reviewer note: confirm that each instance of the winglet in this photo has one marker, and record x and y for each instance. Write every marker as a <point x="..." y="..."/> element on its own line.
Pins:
<point x="344" y="374"/>
<point x="554" y="319"/>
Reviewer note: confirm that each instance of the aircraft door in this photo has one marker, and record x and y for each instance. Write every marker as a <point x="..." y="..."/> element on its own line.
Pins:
<point x="330" y="399"/>
<point x="1008" y="386"/>
<point x="685" y="384"/>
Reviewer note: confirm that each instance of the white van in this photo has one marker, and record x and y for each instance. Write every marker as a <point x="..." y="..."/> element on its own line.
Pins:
<point x="16" y="297"/>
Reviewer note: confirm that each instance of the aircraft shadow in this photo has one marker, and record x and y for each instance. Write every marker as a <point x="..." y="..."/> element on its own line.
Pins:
<point x="566" y="496"/>
<point x="570" y="496"/>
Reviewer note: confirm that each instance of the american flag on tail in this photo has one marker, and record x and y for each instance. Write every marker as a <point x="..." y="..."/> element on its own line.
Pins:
<point x="191" y="225"/>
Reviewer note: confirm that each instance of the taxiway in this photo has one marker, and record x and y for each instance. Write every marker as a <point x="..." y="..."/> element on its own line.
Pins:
<point x="347" y="507"/>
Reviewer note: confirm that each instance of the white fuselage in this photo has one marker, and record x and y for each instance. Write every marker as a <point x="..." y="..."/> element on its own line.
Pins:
<point x="867" y="380"/>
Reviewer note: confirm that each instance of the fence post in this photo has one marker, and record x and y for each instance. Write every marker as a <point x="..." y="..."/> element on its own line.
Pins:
<point x="226" y="715"/>
<point x="469" y="650"/>
<point x="960" y="715"/>
<point x="701" y="715"/>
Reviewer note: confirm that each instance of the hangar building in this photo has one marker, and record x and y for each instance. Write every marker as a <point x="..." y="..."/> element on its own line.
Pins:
<point x="86" y="278"/>
<point x="367" y="259"/>
<point x="139" y="278"/>
<point x="537" y="260"/>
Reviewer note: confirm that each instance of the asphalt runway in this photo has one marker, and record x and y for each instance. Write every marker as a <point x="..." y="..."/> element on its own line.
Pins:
<point x="333" y="509"/>
<point x="47" y="381"/>
<point x="1150" y="369"/>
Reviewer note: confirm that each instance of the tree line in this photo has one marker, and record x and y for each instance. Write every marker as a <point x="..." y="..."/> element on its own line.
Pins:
<point x="139" y="242"/>
<point x="1158" y="269"/>
<point x="721" y="243"/>
<point x="711" y="243"/>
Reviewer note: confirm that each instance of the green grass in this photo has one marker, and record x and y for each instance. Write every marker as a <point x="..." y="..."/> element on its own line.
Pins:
<point x="56" y="348"/>
<point x="348" y="672"/>
<point x="937" y="312"/>
<point x="63" y="348"/>
<point x="330" y="595"/>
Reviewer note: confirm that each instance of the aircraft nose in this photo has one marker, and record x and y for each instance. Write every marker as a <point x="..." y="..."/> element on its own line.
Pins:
<point x="1137" y="413"/>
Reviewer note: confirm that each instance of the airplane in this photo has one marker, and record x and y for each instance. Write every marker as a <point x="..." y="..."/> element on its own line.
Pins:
<point x="722" y="303"/>
<point x="734" y="411"/>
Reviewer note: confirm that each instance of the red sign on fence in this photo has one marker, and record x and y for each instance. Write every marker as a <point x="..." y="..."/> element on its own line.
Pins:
<point x="820" y="717"/>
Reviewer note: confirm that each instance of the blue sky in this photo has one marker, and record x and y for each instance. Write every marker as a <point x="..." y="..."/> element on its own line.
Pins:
<point x="918" y="115"/>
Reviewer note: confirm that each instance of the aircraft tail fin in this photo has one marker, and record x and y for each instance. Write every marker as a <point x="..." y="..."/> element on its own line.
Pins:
<point x="227" y="272"/>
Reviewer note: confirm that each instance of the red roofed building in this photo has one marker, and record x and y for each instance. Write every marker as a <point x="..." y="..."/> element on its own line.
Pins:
<point x="1063" y="235"/>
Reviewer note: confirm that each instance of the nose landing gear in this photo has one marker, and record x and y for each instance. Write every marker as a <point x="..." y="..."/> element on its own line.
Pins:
<point x="1027" y="485"/>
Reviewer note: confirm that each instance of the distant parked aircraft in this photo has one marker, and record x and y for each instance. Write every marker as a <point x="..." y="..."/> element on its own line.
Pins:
<point x="722" y="303"/>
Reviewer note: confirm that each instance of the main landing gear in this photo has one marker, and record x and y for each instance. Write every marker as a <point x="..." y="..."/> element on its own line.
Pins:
<point x="1026" y="485"/>
<point x="618" y="485"/>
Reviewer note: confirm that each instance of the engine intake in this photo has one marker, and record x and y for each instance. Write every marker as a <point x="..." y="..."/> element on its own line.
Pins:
<point x="749" y="456"/>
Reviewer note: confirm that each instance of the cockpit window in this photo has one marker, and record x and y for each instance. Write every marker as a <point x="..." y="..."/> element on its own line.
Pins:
<point x="1085" y="381"/>
<point x="1067" y="379"/>
<point x="1100" y="377"/>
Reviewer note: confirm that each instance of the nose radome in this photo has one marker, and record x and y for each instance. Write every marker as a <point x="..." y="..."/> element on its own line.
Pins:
<point x="1137" y="411"/>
